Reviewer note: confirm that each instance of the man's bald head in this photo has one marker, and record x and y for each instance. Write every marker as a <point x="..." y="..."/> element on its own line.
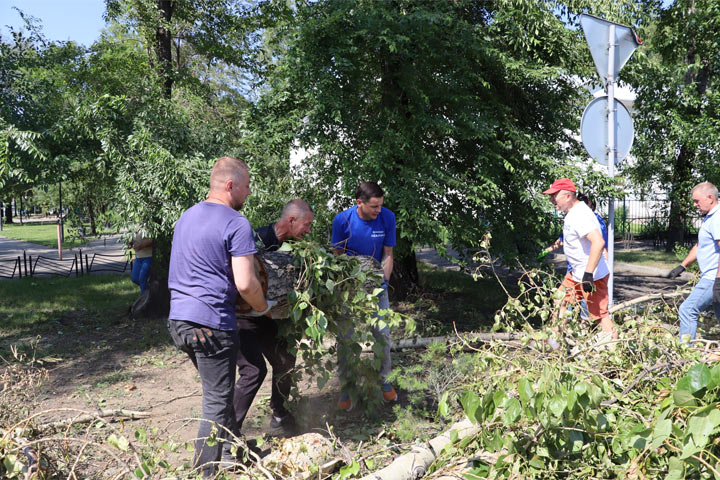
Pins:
<point x="295" y="220"/>
<point x="297" y="208"/>
<point x="227" y="168"/>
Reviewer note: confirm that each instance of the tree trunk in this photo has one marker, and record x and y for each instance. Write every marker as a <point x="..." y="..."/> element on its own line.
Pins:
<point x="405" y="275"/>
<point x="678" y="206"/>
<point x="91" y="215"/>
<point x="163" y="44"/>
<point x="8" y="212"/>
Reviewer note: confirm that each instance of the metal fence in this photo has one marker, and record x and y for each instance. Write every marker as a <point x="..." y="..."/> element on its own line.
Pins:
<point x="649" y="220"/>
<point x="643" y="220"/>
<point x="80" y="264"/>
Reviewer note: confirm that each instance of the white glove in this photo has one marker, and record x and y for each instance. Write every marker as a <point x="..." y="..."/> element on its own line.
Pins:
<point x="254" y="313"/>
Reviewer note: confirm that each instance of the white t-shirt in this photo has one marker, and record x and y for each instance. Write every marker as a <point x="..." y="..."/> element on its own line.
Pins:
<point x="579" y="222"/>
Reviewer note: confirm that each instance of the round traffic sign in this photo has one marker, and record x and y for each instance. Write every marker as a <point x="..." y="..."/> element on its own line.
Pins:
<point x="594" y="130"/>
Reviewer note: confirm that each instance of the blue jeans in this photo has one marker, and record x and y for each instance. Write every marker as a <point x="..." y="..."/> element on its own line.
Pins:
<point x="214" y="353"/>
<point x="699" y="300"/>
<point x="140" y="272"/>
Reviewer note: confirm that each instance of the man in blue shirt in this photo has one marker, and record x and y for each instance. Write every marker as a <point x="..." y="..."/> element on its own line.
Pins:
<point x="368" y="228"/>
<point x="707" y="254"/>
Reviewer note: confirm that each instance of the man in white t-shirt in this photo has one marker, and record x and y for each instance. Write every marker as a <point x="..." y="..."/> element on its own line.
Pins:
<point x="583" y="245"/>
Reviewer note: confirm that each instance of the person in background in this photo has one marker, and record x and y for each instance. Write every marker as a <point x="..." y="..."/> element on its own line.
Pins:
<point x="143" y="261"/>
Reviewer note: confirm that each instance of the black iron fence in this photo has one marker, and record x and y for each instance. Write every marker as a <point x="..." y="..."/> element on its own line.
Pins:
<point x="79" y="264"/>
<point x="643" y="220"/>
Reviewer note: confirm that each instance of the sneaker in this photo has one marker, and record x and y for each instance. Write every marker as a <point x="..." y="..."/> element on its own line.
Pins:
<point x="345" y="403"/>
<point x="282" y="426"/>
<point x="388" y="392"/>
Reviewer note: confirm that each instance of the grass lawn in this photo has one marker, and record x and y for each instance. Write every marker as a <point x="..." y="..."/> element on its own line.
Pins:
<point x="648" y="258"/>
<point x="72" y="316"/>
<point x="41" y="234"/>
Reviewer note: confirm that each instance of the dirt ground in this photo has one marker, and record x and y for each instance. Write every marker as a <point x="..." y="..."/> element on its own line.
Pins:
<point x="164" y="383"/>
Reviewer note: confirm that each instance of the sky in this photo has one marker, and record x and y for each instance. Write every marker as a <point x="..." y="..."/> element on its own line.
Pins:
<point x="78" y="20"/>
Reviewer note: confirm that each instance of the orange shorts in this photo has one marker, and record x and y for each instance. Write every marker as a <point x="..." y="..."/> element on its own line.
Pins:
<point x="597" y="301"/>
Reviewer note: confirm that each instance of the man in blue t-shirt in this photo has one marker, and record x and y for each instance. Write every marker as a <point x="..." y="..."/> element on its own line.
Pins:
<point x="368" y="228"/>
<point x="707" y="255"/>
<point x="212" y="258"/>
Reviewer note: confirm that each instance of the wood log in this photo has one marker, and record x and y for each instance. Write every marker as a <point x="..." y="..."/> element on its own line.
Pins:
<point x="414" y="464"/>
<point x="278" y="275"/>
<point x="112" y="414"/>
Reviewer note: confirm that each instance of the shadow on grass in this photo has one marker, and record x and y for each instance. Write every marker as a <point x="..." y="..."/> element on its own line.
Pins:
<point x="79" y="323"/>
<point x="449" y="297"/>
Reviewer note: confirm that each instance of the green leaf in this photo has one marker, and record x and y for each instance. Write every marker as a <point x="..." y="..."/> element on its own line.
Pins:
<point x="512" y="412"/>
<point x="349" y="470"/>
<point x="683" y="398"/>
<point x="525" y="391"/>
<point x="443" y="409"/>
<point x="676" y="469"/>
<point x="557" y="405"/>
<point x="661" y="432"/>
<point x="697" y="378"/>
<point x="121" y="443"/>
<point x="470" y="403"/>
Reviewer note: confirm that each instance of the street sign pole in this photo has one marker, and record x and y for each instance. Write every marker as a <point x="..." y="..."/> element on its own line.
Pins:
<point x="611" y="158"/>
<point x="611" y="45"/>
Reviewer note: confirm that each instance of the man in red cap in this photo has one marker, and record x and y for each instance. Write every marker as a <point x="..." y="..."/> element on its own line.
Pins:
<point x="583" y="245"/>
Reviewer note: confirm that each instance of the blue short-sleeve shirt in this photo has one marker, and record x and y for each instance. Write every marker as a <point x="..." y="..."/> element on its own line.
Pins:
<point x="708" y="253"/>
<point x="363" y="237"/>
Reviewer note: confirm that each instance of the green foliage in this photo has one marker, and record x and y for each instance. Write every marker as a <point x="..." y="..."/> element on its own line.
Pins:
<point x="330" y="300"/>
<point x="462" y="111"/>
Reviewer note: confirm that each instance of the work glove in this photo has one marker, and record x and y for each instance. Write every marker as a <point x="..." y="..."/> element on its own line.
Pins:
<point x="675" y="272"/>
<point x="543" y="254"/>
<point x="255" y="313"/>
<point x="716" y="291"/>
<point x="588" y="285"/>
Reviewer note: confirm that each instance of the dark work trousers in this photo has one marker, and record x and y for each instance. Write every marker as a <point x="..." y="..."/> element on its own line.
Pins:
<point x="214" y="353"/>
<point x="259" y="337"/>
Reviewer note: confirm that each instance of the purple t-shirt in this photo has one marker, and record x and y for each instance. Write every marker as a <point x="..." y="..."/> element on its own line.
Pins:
<point x="202" y="289"/>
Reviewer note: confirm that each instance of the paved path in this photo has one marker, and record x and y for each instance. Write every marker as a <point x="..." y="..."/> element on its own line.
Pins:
<point x="105" y="255"/>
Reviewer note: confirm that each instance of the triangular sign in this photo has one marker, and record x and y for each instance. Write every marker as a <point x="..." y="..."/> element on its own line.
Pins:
<point x="597" y="32"/>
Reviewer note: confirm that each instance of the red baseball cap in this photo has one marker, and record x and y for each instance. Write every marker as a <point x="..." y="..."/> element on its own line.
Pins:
<point x="561" y="184"/>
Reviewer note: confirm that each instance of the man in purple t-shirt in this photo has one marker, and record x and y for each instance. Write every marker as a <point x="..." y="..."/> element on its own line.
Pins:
<point x="212" y="258"/>
<point x="368" y="228"/>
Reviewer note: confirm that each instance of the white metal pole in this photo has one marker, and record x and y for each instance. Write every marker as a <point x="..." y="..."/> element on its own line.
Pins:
<point x="611" y="156"/>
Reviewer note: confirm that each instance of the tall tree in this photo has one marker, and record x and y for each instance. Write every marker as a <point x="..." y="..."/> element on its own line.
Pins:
<point x="678" y="119"/>
<point x="462" y="110"/>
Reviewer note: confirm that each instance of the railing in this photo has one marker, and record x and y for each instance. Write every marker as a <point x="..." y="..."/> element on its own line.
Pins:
<point x="106" y="263"/>
<point x="79" y="264"/>
<point x="11" y="268"/>
<point x="53" y="266"/>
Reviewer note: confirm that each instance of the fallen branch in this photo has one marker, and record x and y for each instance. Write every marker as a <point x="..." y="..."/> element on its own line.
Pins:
<point x="115" y="414"/>
<point x="470" y="337"/>
<point x="414" y="464"/>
